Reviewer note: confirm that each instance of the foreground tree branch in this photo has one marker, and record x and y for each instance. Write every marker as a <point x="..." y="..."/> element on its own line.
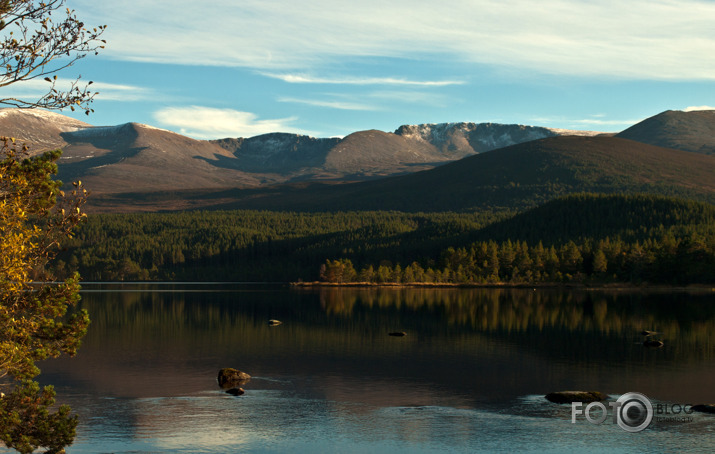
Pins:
<point x="35" y="216"/>
<point x="36" y="46"/>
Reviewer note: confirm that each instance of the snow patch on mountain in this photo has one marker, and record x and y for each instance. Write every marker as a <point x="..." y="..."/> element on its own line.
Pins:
<point x="431" y="132"/>
<point x="59" y="121"/>
<point x="470" y="138"/>
<point x="574" y="132"/>
<point x="154" y="128"/>
<point x="267" y="145"/>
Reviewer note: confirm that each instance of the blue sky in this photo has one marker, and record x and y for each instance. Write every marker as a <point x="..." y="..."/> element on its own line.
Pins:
<point x="327" y="68"/>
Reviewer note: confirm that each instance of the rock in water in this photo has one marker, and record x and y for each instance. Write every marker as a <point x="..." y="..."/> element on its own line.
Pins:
<point x="653" y="343"/>
<point x="704" y="408"/>
<point x="232" y="378"/>
<point x="567" y="397"/>
<point x="236" y="391"/>
<point x="397" y="334"/>
<point x="274" y="322"/>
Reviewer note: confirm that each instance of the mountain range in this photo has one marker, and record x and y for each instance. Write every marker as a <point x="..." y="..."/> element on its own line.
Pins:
<point x="139" y="157"/>
<point x="431" y="167"/>
<point x="513" y="178"/>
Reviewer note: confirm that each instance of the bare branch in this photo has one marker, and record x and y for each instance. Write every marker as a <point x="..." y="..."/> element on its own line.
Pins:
<point x="34" y="46"/>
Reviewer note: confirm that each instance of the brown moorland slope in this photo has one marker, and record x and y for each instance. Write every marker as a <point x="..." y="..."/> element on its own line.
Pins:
<point x="688" y="131"/>
<point x="515" y="177"/>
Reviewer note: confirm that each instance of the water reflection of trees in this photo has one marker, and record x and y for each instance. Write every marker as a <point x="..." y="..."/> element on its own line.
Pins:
<point x="332" y="315"/>
<point x="688" y="317"/>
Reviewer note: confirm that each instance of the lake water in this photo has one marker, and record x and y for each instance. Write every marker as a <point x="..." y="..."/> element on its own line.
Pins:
<point x="469" y="376"/>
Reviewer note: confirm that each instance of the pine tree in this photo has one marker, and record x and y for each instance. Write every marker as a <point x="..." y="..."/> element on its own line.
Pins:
<point x="600" y="264"/>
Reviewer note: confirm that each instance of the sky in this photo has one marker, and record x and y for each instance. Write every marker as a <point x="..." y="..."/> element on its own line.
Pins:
<point x="326" y="68"/>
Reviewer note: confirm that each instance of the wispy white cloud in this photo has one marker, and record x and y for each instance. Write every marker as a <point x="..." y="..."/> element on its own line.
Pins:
<point x="119" y="92"/>
<point x="379" y="100"/>
<point x="340" y="105"/>
<point x="641" y="39"/>
<point x="211" y="123"/>
<point x="696" y="108"/>
<point x="306" y="79"/>
<point x="596" y="123"/>
<point x="107" y="92"/>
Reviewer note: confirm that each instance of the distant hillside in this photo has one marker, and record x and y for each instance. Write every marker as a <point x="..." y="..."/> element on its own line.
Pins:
<point x="688" y="131"/>
<point x="459" y="140"/>
<point x="515" y="177"/>
<point x="370" y="154"/>
<point x="534" y="172"/>
<point x="448" y="166"/>
<point x="629" y="217"/>
<point x="279" y="153"/>
<point x="360" y="155"/>
<point x="135" y="157"/>
<point x="41" y="129"/>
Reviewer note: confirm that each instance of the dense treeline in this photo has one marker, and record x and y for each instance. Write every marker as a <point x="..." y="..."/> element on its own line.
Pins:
<point x="253" y="245"/>
<point x="579" y="238"/>
<point x="582" y="237"/>
<point x="582" y="216"/>
<point x="669" y="260"/>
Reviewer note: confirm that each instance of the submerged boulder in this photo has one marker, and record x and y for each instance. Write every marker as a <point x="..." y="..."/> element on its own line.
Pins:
<point x="704" y="408"/>
<point x="232" y="378"/>
<point x="235" y="391"/>
<point x="274" y="322"/>
<point x="652" y="343"/>
<point x="397" y="333"/>
<point x="567" y="397"/>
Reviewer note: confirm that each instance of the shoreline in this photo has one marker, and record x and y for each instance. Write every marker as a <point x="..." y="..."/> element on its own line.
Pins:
<point x="540" y="286"/>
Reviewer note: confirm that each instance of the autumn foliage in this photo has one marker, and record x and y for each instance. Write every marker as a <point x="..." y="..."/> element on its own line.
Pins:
<point x="35" y="216"/>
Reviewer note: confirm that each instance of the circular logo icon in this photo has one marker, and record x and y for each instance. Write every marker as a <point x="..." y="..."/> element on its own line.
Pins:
<point x="635" y="412"/>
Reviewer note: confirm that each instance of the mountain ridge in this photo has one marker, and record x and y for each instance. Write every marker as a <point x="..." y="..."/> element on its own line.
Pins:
<point x="104" y="155"/>
<point x="689" y="131"/>
<point x="435" y="166"/>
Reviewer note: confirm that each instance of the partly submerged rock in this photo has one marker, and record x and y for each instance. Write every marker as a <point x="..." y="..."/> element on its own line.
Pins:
<point x="567" y="397"/>
<point x="232" y="378"/>
<point x="704" y="408"/>
<point x="274" y="322"/>
<point x="397" y="333"/>
<point x="652" y="343"/>
<point x="235" y="391"/>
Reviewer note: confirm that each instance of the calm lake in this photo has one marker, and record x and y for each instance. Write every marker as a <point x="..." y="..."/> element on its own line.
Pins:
<point x="469" y="375"/>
